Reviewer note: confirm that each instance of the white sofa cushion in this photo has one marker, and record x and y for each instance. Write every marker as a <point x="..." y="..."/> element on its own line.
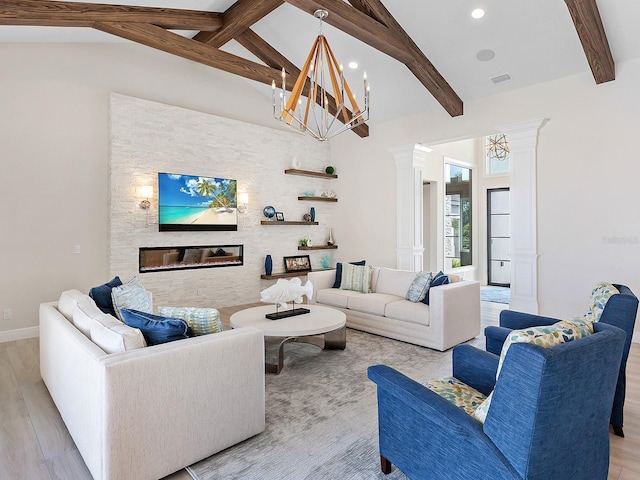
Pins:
<point x="68" y="301"/>
<point x="113" y="336"/>
<point x="394" y="282"/>
<point x="336" y="297"/>
<point x="408" y="311"/>
<point x="84" y="315"/>
<point x="373" y="303"/>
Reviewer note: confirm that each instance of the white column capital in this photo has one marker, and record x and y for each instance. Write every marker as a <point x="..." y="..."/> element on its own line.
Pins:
<point x="523" y="135"/>
<point x="412" y="154"/>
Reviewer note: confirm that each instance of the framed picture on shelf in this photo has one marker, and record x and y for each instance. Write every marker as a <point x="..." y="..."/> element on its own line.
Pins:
<point x="299" y="263"/>
<point x="280" y="216"/>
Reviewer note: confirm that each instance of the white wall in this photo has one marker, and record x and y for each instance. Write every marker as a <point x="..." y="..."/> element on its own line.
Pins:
<point x="54" y="150"/>
<point x="54" y="153"/>
<point x="587" y="180"/>
<point x="149" y="137"/>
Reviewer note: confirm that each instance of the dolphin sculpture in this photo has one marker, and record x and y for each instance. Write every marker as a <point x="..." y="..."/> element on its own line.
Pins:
<point x="286" y="291"/>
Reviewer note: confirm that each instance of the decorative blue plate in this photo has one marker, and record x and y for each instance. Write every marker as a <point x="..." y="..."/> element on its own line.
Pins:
<point x="269" y="212"/>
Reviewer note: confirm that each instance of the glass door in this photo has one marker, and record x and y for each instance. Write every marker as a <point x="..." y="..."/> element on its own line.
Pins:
<point x="499" y="234"/>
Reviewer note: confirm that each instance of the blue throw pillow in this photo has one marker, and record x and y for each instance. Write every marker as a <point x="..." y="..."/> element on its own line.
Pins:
<point x="338" y="280"/>
<point x="439" y="279"/>
<point x="102" y="295"/>
<point x="155" y="328"/>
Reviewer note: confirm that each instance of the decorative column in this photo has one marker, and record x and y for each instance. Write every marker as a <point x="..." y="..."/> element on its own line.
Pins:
<point x="523" y="142"/>
<point x="409" y="166"/>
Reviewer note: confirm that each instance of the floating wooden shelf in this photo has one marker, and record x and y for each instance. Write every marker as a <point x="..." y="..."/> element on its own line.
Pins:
<point x="319" y="247"/>
<point x="286" y="222"/>
<point x="275" y="276"/>
<point x="309" y="173"/>
<point x="318" y="199"/>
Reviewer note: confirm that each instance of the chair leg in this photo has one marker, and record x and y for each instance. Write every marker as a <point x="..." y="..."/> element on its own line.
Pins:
<point x="385" y="465"/>
<point x="617" y="430"/>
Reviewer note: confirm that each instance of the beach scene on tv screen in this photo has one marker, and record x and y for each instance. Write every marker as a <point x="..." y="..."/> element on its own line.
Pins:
<point x="193" y="200"/>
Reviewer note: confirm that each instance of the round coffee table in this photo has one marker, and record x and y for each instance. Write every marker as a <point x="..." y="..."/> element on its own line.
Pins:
<point x="322" y="326"/>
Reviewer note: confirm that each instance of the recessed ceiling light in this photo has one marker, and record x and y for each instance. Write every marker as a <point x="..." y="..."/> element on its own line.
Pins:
<point x="477" y="13"/>
<point x="353" y="65"/>
<point x="486" y="55"/>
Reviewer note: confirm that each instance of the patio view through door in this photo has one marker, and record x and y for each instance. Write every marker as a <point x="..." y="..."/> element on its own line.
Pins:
<point x="498" y="231"/>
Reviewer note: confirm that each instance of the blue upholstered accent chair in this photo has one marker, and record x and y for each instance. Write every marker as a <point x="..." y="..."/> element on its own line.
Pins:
<point x="620" y="310"/>
<point x="549" y="415"/>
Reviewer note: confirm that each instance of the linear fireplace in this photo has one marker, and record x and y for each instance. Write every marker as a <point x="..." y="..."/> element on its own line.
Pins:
<point x="160" y="259"/>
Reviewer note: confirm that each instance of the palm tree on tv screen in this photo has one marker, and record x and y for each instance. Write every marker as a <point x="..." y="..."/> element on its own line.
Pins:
<point x="223" y="192"/>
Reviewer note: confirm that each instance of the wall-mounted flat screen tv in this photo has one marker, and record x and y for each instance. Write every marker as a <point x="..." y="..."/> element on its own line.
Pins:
<point x="192" y="203"/>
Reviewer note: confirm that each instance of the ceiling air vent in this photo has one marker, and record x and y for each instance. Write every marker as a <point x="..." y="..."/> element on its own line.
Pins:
<point x="501" y="78"/>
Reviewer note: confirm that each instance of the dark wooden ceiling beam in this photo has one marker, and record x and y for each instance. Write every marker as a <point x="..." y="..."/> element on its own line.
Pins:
<point x="588" y="23"/>
<point x="169" y="42"/>
<point x="236" y="19"/>
<point x="420" y="65"/>
<point x="77" y="14"/>
<point x="270" y="56"/>
<point x="355" y="23"/>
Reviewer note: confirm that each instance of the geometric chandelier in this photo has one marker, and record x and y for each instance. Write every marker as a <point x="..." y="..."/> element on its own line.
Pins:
<point x="497" y="147"/>
<point x="325" y="114"/>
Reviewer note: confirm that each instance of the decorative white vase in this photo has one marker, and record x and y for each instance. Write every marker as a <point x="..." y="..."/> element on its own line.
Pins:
<point x="330" y="240"/>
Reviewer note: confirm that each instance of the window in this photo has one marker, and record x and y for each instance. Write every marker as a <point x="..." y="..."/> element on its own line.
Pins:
<point x="497" y="158"/>
<point x="457" y="217"/>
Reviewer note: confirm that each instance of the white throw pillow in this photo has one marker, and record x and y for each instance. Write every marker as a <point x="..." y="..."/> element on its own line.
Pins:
<point x="84" y="315"/>
<point x="113" y="336"/>
<point x="68" y="301"/>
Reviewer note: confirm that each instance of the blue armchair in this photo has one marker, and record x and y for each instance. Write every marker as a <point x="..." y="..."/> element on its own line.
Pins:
<point x="620" y="311"/>
<point x="549" y="414"/>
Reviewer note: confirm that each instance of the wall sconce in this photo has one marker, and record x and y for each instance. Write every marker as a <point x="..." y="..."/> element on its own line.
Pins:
<point x="146" y="191"/>
<point x="243" y="200"/>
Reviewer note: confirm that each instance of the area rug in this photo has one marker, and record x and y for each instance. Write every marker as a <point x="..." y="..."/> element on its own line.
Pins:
<point x="321" y="413"/>
<point x="495" y="294"/>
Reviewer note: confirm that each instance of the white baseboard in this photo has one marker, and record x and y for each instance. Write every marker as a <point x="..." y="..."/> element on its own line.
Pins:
<point x="20" y="334"/>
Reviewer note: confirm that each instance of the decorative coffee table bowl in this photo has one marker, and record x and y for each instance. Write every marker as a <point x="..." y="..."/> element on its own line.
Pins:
<point x="323" y="327"/>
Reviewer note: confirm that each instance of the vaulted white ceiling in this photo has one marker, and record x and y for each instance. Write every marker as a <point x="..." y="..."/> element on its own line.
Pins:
<point x="533" y="41"/>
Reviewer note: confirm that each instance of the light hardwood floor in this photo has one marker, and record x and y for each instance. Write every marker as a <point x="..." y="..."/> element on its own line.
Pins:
<point x="34" y="443"/>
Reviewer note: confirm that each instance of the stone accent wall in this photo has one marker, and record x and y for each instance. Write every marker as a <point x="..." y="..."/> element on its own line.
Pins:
<point x="147" y="138"/>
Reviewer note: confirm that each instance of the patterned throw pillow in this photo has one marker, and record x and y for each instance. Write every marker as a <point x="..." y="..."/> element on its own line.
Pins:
<point x="202" y="321"/>
<point x="598" y="299"/>
<point x="419" y="287"/>
<point x="458" y="393"/>
<point x="544" y="336"/>
<point x="356" y="278"/>
<point x="439" y="279"/>
<point x="338" y="280"/>
<point x="131" y="295"/>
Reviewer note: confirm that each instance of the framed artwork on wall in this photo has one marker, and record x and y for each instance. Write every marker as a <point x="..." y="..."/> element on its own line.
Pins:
<point x="299" y="263"/>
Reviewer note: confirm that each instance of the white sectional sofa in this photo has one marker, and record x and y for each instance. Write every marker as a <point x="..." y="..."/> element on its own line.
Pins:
<point x="148" y="412"/>
<point x="452" y="316"/>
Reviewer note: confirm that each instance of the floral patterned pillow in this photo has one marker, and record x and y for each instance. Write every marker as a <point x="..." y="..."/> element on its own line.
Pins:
<point x="598" y="299"/>
<point x="458" y="393"/>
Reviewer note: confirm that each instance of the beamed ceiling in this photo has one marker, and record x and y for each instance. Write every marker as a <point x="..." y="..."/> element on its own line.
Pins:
<point x="369" y="21"/>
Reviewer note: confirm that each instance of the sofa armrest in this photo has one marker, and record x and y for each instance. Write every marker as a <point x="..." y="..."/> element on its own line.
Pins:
<point x="454" y="312"/>
<point x="495" y="338"/>
<point x="475" y="367"/>
<point x="520" y="320"/>
<point x="183" y="401"/>
<point x="321" y="279"/>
